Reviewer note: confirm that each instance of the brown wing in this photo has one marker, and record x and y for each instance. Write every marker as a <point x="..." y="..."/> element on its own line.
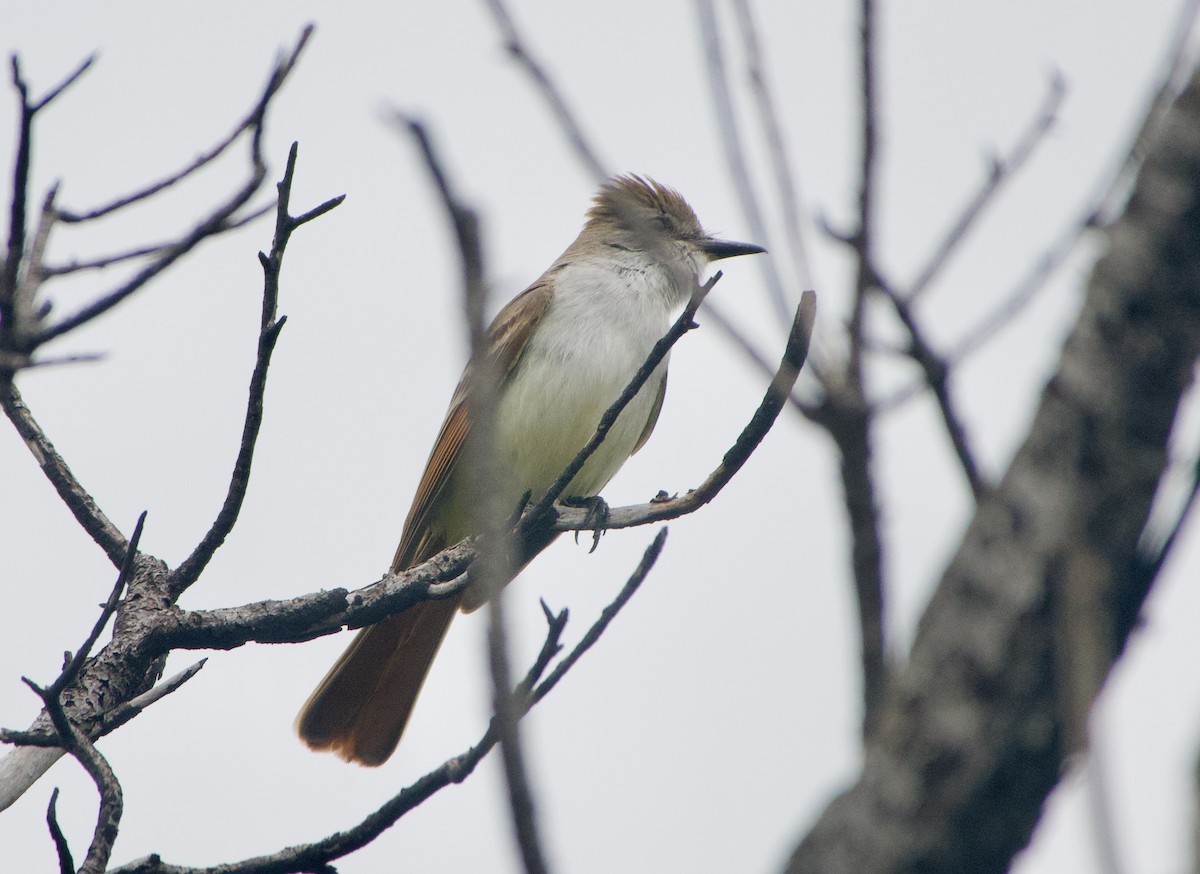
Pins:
<point x="361" y="707"/>
<point x="654" y="411"/>
<point x="506" y="338"/>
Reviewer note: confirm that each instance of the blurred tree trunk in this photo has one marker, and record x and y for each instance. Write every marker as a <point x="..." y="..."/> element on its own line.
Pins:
<point x="1038" y="602"/>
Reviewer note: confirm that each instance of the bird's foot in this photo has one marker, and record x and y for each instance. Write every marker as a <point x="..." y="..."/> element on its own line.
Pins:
<point x="597" y="516"/>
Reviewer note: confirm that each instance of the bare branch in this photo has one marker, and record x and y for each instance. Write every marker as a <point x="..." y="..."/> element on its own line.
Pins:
<point x="1001" y="171"/>
<point x="649" y="557"/>
<point x="937" y="377"/>
<point x="785" y="185"/>
<point x="214" y="223"/>
<point x="112" y="719"/>
<point x="320" y="613"/>
<point x="863" y="238"/>
<point x="71" y="671"/>
<point x="1104" y="199"/>
<point x="15" y="302"/>
<point x="988" y="326"/>
<point x="1155" y="554"/>
<point x="465" y="222"/>
<point x="742" y="341"/>
<point x="554" y="99"/>
<point x="445" y="574"/>
<point x="1177" y="66"/>
<point x="12" y="315"/>
<point x="90" y="517"/>
<point x="24" y="313"/>
<point x="509" y="708"/>
<point x="251" y="122"/>
<point x="53" y="93"/>
<point x="108" y="818"/>
<point x="317" y="856"/>
<point x="16" y="216"/>
<point x="1107" y="196"/>
<point x="269" y="327"/>
<point x="735" y="158"/>
<point x="66" y="865"/>
<point x="75" y="266"/>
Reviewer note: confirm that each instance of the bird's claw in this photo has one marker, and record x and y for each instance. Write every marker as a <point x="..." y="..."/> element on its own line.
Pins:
<point x="596" y="519"/>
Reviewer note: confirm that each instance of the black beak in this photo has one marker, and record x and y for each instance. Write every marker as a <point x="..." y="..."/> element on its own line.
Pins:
<point x="718" y="249"/>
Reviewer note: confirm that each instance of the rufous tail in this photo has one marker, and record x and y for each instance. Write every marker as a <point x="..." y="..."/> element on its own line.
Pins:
<point x="361" y="707"/>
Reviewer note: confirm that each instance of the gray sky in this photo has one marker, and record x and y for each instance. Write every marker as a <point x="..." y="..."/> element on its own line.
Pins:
<point x="718" y="715"/>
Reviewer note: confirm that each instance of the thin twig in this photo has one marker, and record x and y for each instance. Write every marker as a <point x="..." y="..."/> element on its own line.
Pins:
<point x="1153" y="551"/>
<point x="465" y="222"/>
<point x="110" y="720"/>
<point x="70" y="79"/>
<point x="989" y="326"/>
<point x="794" y="356"/>
<point x="649" y="557"/>
<point x="566" y="119"/>
<point x="25" y="315"/>
<point x="13" y="361"/>
<point x="212" y="224"/>
<point x="77" y="499"/>
<point x="1001" y="171"/>
<point x="743" y="342"/>
<point x="269" y="328"/>
<point x="66" y="865"/>
<point x="209" y="226"/>
<point x="784" y="185"/>
<point x="1108" y="193"/>
<point x="1177" y="66"/>
<point x="937" y="377"/>
<point x="10" y="270"/>
<point x="863" y="239"/>
<point x="100" y="263"/>
<point x="735" y="158"/>
<point x="1003" y="314"/>
<point x="444" y="575"/>
<point x="251" y="121"/>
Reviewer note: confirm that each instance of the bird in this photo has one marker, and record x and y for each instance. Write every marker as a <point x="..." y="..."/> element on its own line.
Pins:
<point x="561" y="353"/>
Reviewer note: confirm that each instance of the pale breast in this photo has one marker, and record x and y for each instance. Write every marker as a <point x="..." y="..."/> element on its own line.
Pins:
<point x="596" y="333"/>
<point x="576" y="365"/>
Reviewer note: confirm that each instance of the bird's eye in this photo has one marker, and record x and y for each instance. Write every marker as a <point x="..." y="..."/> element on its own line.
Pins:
<point x="663" y="222"/>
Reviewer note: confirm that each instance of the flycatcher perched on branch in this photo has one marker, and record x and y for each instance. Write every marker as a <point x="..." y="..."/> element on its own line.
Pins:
<point x="562" y="351"/>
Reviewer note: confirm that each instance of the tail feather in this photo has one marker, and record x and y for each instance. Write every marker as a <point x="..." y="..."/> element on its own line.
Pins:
<point x="361" y="707"/>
